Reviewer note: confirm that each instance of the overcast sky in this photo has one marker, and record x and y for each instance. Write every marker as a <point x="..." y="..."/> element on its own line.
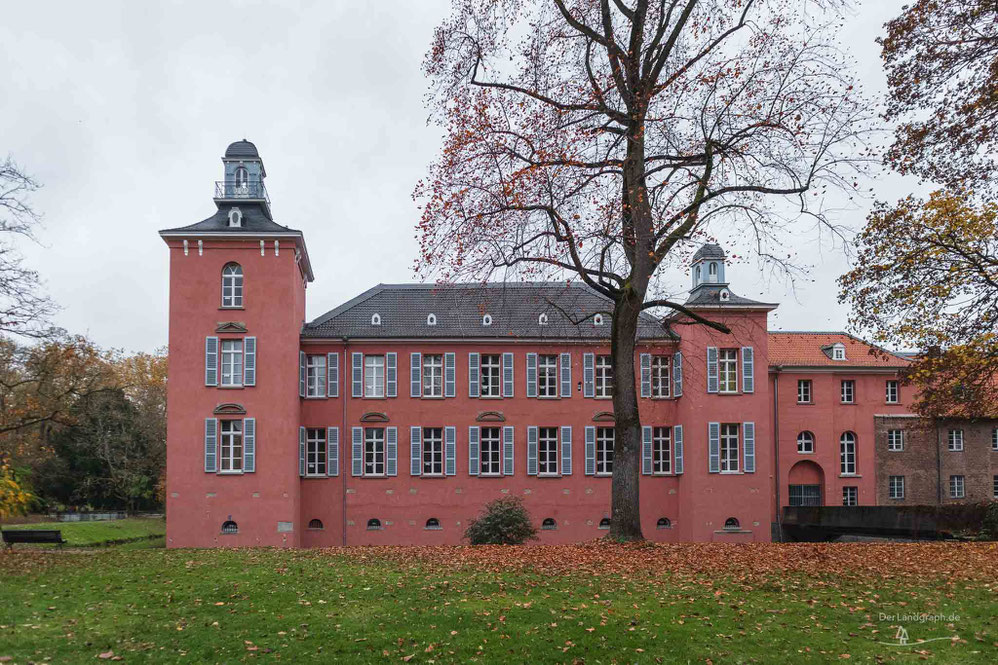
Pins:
<point x="123" y="109"/>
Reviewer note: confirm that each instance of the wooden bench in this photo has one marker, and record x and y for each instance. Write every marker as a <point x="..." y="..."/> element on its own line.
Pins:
<point x="34" y="536"/>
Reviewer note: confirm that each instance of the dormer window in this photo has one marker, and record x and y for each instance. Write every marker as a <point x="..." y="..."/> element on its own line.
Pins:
<point x="241" y="177"/>
<point x="724" y="295"/>
<point x="839" y="352"/>
<point x="487" y="320"/>
<point x="431" y="320"/>
<point x="376" y="320"/>
<point x="542" y="319"/>
<point x="235" y="218"/>
<point x="598" y="320"/>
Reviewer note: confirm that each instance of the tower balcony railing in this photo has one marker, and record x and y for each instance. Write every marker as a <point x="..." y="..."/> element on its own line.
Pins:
<point x="228" y="189"/>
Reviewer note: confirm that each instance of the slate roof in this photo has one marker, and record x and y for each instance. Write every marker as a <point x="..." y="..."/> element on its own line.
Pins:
<point x="515" y="309"/>
<point x="810" y="349"/>
<point x="255" y="220"/>
<point x="708" y="251"/>
<point x="709" y="295"/>
<point x="242" y="148"/>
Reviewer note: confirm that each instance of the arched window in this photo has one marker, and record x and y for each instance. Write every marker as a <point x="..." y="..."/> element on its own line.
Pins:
<point x="242" y="177"/>
<point x="805" y="443"/>
<point x="373" y="524"/>
<point x="487" y="320"/>
<point x="732" y="524"/>
<point x="228" y="527"/>
<point x="433" y="524"/>
<point x="697" y="274"/>
<point x="376" y="320"/>
<point x="549" y="524"/>
<point x="712" y="272"/>
<point x="315" y="525"/>
<point x="236" y="221"/>
<point x="542" y="319"/>
<point x="664" y="523"/>
<point x="604" y="523"/>
<point x="232" y="285"/>
<point x="431" y="320"/>
<point x="847" y="452"/>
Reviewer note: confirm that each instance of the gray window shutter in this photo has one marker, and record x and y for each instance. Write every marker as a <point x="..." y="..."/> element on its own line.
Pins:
<point x="415" y="451"/>
<point x="507" y="375"/>
<point x="646" y="465"/>
<point x="531" y="450"/>
<point x="301" y="451"/>
<point x="391" y="374"/>
<point x="249" y="445"/>
<point x="301" y="373"/>
<point x="333" y="374"/>
<point x="748" y="446"/>
<point x="415" y="375"/>
<point x="450" y="375"/>
<point x="357" y="455"/>
<point x="211" y="361"/>
<point x="646" y="375"/>
<point x="748" y="369"/>
<point x="474" y="389"/>
<point x="590" y="450"/>
<point x="677" y="443"/>
<point x="531" y="375"/>
<point x="714" y="447"/>
<point x="211" y="445"/>
<point x="474" y="463"/>
<point x="588" y="375"/>
<point x="712" y="385"/>
<point x="357" y="380"/>
<point x="391" y="451"/>
<point x="507" y="451"/>
<point x="566" y="451"/>
<point x="566" y="375"/>
<point x="249" y="361"/>
<point x="450" y="451"/>
<point x="677" y="374"/>
<point x="333" y="451"/>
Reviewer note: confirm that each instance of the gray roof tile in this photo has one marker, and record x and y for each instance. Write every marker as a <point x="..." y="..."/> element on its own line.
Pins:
<point x="255" y="220"/>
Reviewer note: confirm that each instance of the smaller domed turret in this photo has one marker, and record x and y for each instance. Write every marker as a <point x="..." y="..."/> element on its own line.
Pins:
<point x="708" y="265"/>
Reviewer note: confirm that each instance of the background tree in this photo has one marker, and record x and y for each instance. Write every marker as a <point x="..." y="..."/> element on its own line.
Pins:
<point x="593" y="139"/>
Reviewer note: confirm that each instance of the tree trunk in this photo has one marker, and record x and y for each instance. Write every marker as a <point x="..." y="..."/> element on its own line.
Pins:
<point x="625" y="523"/>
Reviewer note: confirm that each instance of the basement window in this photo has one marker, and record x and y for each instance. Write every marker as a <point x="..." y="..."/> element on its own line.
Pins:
<point x="549" y="524"/>
<point x="374" y="524"/>
<point x="229" y="527"/>
<point x="604" y="523"/>
<point x="433" y="524"/>
<point x="732" y="524"/>
<point x="315" y="525"/>
<point x="663" y="523"/>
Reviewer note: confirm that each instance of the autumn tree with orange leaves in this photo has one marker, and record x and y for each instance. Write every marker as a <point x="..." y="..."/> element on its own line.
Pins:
<point x="597" y="140"/>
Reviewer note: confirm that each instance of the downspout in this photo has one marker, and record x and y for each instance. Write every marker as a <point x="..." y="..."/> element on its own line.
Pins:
<point x="939" y="465"/>
<point x="343" y="437"/>
<point x="776" y="451"/>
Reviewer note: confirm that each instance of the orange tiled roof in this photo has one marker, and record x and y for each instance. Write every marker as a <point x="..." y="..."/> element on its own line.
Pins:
<point x="805" y="349"/>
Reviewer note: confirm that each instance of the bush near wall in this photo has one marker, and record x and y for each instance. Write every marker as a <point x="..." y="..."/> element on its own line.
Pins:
<point x="504" y="521"/>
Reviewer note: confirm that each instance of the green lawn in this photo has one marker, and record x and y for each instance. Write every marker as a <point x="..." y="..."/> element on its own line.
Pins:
<point x="86" y="534"/>
<point x="592" y="604"/>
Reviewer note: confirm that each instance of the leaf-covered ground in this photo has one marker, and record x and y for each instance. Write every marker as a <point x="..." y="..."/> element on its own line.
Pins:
<point x="596" y="603"/>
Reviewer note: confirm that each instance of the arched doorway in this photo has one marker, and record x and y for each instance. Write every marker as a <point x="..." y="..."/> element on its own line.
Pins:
<point x="806" y="483"/>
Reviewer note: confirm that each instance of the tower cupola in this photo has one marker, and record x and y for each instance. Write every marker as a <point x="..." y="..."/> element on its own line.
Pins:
<point x="244" y="175"/>
<point x="708" y="266"/>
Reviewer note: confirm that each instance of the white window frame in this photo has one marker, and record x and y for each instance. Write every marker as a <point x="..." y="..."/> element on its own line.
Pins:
<point x="838" y="352"/>
<point x="490" y="375"/>
<point x="661" y="377"/>
<point x="490" y="451"/>
<point x="315" y="376"/>
<point x="895" y="487"/>
<point x="895" y="440"/>
<point x="315" y="452"/>
<point x="433" y="375"/>
<point x="433" y="451"/>
<point x="954" y="440"/>
<point x="850" y="495"/>
<point x="240" y="177"/>
<point x="728" y="447"/>
<point x="994" y="487"/>
<point x="231" y="354"/>
<point x="804" y="390"/>
<point x="727" y="371"/>
<point x="603" y="377"/>
<point x="605" y="437"/>
<point x="374" y="376"/>
<point x="805" y="437"/>
<point x="994" y="438"/>
<point x="232" y="286"/>
<point x="547" y="451"/>
<point x="661" y="451"/>
<point x="547" y="375"/>
<point x="375" y="457"/>
<point x="847" y="454"/>
<point x="957" y="487"/>
<point x="892" y="392"/>
<point x="848" y="391"/>
<point x="230" y="446"/>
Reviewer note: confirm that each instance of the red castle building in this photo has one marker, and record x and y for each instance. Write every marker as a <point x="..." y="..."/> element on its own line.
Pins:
<point x="394" y="418"/>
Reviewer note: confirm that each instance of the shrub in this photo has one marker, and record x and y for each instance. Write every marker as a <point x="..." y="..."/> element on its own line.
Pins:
<point x="990" y="525"/>
<point x="504" y="521"/>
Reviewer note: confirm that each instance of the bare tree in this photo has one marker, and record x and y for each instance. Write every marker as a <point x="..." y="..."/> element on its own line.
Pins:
<point x="593" y="139"/>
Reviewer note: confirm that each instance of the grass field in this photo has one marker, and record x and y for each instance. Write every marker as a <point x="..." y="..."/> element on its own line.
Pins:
<point x="88" y="534"/>
<point x="543" y="604"/>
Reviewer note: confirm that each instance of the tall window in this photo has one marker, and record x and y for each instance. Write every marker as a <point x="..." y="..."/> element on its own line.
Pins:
<point x="604" y="376"/>
<point x="315" y="451"/>
<point x="804" y="391"/>
<point x="895" y="487"/>
<point x="241" y="177"/>
<point x="850" y="496"/>
<point x="232" y="362"/>
<point x="956" y="440"/>
<point x="547" y="451"/>
<point x="316" y="375"/>
<point x="491" y="451"/>
<point x="374" y="451"/>
<point x="895" y="440"/>
<point x="892" y="392"/>
<point x="847" y="453"/>
<point x="805" y="443"/>
<point x="727" y="370"/>
<point x="994" y="487"/>
<point x="661" y="450"/>
<point x="547" y="376"/>
<point x="232" y="285"/>
<point x="491" y="375"/>
<point x="374" y="376"/>
<point x="729" y="447"/>
<point x="956" y="487"/>
<point x="433" y="376"/>
<point x="660" y="383"/>
<point x="604" y="451"/>
<point x="805" y="495"/>
<point x="231" y="449"/>
<point x="433" y="451"/>
<point x="994" y="439"/>
<point x="848" y="392"/>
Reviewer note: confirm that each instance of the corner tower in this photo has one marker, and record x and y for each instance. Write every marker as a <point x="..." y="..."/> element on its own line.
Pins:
<point x="237" y="303"/>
